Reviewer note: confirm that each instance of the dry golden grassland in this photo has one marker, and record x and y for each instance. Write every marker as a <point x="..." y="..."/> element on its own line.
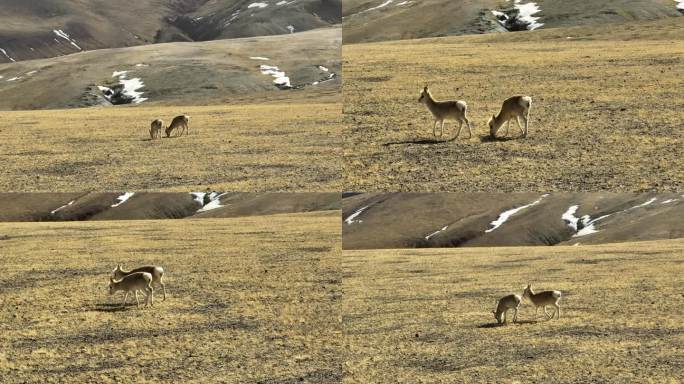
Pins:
<point x="268" y="147"/>
<point x="607" y="111"/>
<point x="250" y="300"/>
<point x="424" y="316"/>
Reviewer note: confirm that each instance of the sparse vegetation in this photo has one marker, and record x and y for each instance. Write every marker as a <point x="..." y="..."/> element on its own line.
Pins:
<point x="250" y="300"/>
<point x="268" y="147"/>
<point x="607" y="111"/>
<point x="426" y="315"/>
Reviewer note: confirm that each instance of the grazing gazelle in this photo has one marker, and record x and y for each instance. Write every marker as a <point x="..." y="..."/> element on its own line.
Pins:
<point x="504" y="304"/>
<point x="515" y="107"/>
<point x="156" y="128"/>
<point x="157" y="273"/>
<point x="543" y="299"/>
<point x="139" y="281"/>
<point x="180" y="123"/>
<point x="442" y="110"/>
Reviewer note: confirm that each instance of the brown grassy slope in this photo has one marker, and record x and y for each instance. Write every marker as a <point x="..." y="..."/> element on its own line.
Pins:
<point x="205" y="73"/>
<point x="422" y="220"/>
<point x="425" y="315"/>
<point x="270" y="147"/>
<point x="249" y="300"/>
<point x="606" y="114"/>
<point x="432" y="18"/>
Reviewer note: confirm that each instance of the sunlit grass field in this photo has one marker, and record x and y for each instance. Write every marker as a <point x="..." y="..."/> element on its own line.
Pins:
<point x="253" y="147"/>
<point x="606" y="114"/>
<point x="424" y="315"/>
<point x="250" y="300"/>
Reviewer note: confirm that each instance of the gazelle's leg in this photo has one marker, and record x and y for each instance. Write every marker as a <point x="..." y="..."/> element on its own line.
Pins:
<point x="125" y="297"/>
<point x="163" y="287"/>
<point x="536" y="311"/>
<point x="558" y="310"/>
<point x="136" y="298"/>
<point x="505" y="316"/>
<point x="522" y="131"/>
<point x="441" y="129"/>
<point x="526" y="119"/>
<point x="508" y="125"/>
<point x="458" y="131"/>
<point x="546" y="312"/>
<point x="470" y="131"/>
<point x="434" y="129"/>
<point x="515" y="315"/>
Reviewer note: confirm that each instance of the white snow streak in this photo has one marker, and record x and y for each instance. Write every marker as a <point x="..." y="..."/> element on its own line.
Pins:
<point x="123" y="198"/>
<point x="504" y="216"/>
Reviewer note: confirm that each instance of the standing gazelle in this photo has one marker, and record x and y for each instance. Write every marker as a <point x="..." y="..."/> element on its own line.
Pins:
<point x="517" y="107"/>
<point x="442" y="110"/>
<point x="504" y="305"/>
<point x="156" y="272"/>
<point x="156" y="128"/>
<point x="180" y="123"/>
<point x="139" y="281"/>
<point x="543" y="299"/>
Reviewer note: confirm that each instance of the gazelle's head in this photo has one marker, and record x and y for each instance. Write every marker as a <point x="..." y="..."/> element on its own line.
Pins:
<point x="424" y="94"/>
<point x="111" y="286"/>
<point x="527" y="291"/>
<point x="492" y="126"/>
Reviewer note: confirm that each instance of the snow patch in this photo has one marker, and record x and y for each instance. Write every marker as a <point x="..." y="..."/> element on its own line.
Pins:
<point x="433" y="234"/>
<point x="649" y="202"/>
<point x="65" y="36"/>
<point x="257" y="5"/>
<point x="290" y="28"/>
<point x="351" y="219"/>
<point x="213" y="203"/>
<point x="62" y="207"/>
<point x="259" y="58"/>
<point x="680" y="5"/>
<point x="281" y="81"/>
<point x="504" y="216"/>
<point x="7" y="55"/>
<point x="128" y="89"/>
<point x="123" y="198"/>
<point x="520" y="16"/>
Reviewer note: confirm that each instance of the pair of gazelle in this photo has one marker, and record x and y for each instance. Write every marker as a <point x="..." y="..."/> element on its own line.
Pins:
<point x="179" y="122"/>
<point x="541" y="299"/>
<point x="138" y="279"/>
<point x="517" y="107"/>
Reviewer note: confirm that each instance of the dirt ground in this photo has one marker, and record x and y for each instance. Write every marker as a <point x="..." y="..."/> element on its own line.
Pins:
<point x="424" y="316"/>
<point x="250" y="300"/>
<point x="606" y="114"/>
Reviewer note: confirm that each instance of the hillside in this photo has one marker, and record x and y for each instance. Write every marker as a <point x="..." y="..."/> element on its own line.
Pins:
<point x="39" y="29"/>
<point x="381" y="20"/>
<point x="419" y="220"/>
<point x="273" y="68"/>
<point x="606" y="111"/>
<point x="425" y="315"/>
<point x="91" y="206"/>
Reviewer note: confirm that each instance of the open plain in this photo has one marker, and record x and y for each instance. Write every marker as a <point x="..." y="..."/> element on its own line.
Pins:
<point x="606" y="113"/>
<point x="424" y="315"/>
<point x="250" y="300"/>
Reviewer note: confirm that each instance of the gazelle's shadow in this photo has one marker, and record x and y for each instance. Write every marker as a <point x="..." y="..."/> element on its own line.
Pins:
<point x="420" y="142"/>
<point x="112" y="307"/>
<point x="489" y="139"/>
<point x="496" y="325"/>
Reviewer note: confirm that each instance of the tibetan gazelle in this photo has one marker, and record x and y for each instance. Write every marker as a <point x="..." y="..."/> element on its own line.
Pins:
<point x="139" y="281"/>
<point x="505" y="304"/>
<point x="156" y="129"/>
<point x="544" y="299"/>
<point x="442" y="110"/>
<point x="517" y="107"/>
<point x="155" y="271"/>
<point x="179" y="123"/>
